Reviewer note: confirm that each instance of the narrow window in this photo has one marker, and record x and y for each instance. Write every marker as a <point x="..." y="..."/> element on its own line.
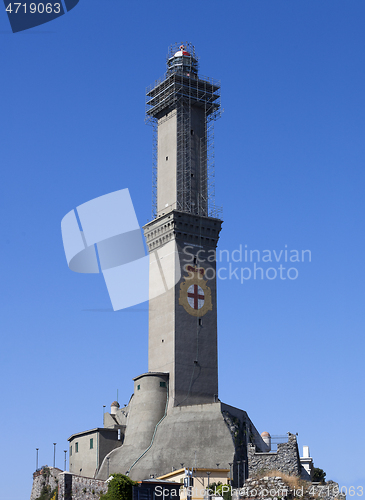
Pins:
<point x="138" y="387"/>
<point x="200" y="321"/>
<point x="167" y="158"/>
<point x="162" y="384"/>
<point x="191" y="132"/>
<point x="70" y="450"/>
<point x="76" y="447"/>
<point x="91" y="443"/>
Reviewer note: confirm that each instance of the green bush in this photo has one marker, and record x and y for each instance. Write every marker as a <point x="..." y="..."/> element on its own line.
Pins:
<point x="318" y="475"/>
<point x="217" y="488"/>
<point x="120" y="488"/>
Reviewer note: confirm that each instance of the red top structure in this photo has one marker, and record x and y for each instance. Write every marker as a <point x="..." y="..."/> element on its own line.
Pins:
<point x="182" y="52"/>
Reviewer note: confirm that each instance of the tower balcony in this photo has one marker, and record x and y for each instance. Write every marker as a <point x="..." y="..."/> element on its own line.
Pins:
<point x="201" y="92"/>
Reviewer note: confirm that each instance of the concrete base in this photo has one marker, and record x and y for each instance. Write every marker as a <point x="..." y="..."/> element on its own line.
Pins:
<point x="196" y="436"/>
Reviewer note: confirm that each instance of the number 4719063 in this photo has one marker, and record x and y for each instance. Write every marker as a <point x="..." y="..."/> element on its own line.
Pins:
<point x="34" y="8"/>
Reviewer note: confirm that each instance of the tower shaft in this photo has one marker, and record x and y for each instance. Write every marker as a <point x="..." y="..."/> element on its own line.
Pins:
<point x="183" y="319"/>
<point x="182" y="160"/>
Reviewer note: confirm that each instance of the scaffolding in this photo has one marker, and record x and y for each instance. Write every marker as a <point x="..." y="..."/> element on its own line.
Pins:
<point x="178" y="91"/>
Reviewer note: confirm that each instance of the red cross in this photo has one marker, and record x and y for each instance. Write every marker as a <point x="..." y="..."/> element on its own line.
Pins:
<point x="195" y="296"/>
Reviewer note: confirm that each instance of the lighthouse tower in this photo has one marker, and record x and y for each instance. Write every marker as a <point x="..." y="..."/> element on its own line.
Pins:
<point x="174" y="415"/>
<point x="183" y="320"/>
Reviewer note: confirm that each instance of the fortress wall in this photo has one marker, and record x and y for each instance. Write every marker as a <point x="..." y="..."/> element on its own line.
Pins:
<point x="47" y="476"/>
<point x="70" y="486"/>
<point x="73" y="487"/>
<point x="286" y="459"/>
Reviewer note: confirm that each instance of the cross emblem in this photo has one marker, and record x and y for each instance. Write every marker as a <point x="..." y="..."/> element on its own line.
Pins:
<point x="195" y="296"/>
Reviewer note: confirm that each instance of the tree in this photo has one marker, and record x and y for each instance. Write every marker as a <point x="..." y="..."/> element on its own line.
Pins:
<point x="119" y="488"/>
<point x="216" y="489"/>
<point x="318" y="475"/>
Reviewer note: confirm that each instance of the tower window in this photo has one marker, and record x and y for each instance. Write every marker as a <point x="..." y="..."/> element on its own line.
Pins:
<point x="91" y="443"/>
<point x="167" y="158"/>
<point x="191" y="132"/>
<point x="70" y="450"/>
<point x="138" y="387"/>
<point x="200" y="321"/>
<point x="162" y="384"/>
<point x="76" y="447"/>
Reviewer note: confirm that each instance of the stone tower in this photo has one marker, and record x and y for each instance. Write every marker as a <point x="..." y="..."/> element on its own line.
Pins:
<point x="174" y="415"/>
<point x="183" y="320"/>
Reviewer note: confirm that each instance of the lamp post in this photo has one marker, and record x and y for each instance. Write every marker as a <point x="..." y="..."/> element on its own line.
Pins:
<point x="238" y="471"/>
<point x="230" y="473"/>
<point x="65" y="452"/>
<point x="54" y="455"/>
<point x="208" y="474"/>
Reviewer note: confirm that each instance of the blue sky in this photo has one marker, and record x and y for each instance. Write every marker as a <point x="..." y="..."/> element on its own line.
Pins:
<point x="289" y="171"/>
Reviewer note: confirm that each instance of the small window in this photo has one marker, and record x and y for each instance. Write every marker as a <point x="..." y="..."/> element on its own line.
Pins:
<point x="76" y="447"/>
<point x="191" y="132"/>
<point x="162" y="384"/>
<point x="70" y="450"/>
<point x="200" y="321"/>
<point x="91" y="443"/>
<point x="138" y="387"/>
<point x="167" y="158"/>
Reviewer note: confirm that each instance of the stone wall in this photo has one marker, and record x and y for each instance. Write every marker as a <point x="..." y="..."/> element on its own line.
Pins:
<point x="73" y="487"/>
<point x="286" y="459"/>
<point x="289" y="488"/>
<point x="47" y="476"/>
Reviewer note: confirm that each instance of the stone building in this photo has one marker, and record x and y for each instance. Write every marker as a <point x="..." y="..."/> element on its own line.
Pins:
<point x="88" y="449"/>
